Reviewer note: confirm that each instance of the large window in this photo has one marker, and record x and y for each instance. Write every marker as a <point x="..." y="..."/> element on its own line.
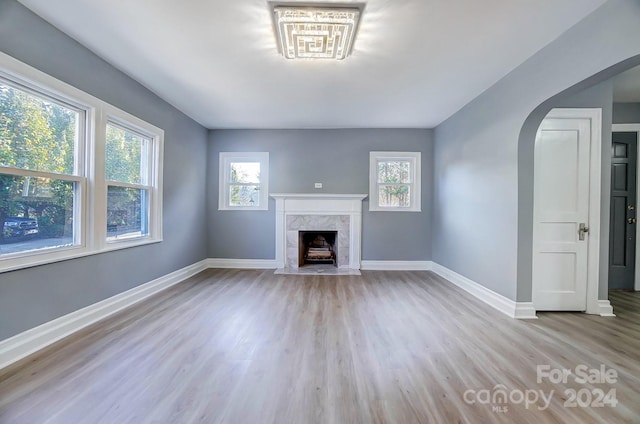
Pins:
<point x="394" y="181"/>
<point x="77" y="175"/>
<point x="244" y="179"/>
<point x="41" y="170"/>
<point x="129" y="182"/>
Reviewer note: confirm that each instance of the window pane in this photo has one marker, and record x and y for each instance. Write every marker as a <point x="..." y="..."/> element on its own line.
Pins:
<point x="127" y="213"/>
<point x="245" y="172"/>
<point x="244" y="195"/>
<point x="126" y="156"/>
<point x="35" y="133"/>
<point x="394" y="171"/>
<point x="35" y="213"/>
<point x="395" y="195"/>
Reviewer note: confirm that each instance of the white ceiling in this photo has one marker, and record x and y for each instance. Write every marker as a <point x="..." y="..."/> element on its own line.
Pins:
<point x="414" y="63"/>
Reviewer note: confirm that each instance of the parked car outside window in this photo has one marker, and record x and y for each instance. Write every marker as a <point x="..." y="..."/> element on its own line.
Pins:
<point x="15" y="227"/>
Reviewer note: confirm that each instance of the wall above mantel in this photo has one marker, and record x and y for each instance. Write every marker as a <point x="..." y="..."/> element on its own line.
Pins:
<point x="339" y="160"/>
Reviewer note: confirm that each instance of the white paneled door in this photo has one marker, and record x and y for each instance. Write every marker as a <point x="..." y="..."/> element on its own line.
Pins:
<point x="564" y="220"/>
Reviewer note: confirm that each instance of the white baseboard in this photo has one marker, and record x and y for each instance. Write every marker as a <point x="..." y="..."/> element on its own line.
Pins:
<point x="396" y="265"/>
<point x="519" y="310"/>
<point x="28" y="342"/>
<point x="525" y="310"/>
<point x="242" y="263"/>
<point x="605" y="309"/>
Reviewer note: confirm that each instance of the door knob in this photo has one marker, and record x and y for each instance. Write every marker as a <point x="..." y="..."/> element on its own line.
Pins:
<point x="582" y="229"/>
<point x="631" y="220"/>
<point x="631" y="207"/>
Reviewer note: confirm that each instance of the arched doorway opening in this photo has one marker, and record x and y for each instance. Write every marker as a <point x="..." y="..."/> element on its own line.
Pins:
<point x="526" y="154"/>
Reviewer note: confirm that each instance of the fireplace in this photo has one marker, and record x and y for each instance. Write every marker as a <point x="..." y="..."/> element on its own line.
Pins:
<point x="326" y="225"/>
<point x="337" y="216"/>
<point x="317" y="248"/>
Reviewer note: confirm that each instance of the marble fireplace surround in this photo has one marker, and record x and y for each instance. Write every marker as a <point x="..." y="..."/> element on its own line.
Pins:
<point x="318" y="212"/>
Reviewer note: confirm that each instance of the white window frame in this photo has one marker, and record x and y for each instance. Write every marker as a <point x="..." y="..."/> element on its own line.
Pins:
<point x="226" y="159"/>
<point x="153" y="177"/>
<point x="90" y="225"/>
<point x="414" y="159"/>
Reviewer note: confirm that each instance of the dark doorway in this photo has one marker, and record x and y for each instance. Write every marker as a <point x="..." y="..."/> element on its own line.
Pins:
<point x="317" y="247"/>
<point x="622" y="228"/>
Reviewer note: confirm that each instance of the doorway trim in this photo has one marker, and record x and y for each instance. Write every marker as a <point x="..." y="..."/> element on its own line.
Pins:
<point x="593" y="305"/>
<point x="633" y="128"/>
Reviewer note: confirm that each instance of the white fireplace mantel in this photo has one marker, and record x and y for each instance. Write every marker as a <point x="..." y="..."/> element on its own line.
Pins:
<point x="322" y="204"/>
<point x="317" y="196"/>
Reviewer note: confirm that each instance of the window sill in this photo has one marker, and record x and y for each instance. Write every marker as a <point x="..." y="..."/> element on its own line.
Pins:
<point x="378" y="209"/>
<point x="67" y="253"/>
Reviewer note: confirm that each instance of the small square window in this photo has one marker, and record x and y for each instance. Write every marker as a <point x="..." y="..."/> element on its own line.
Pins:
<point x="244" y="181"/>
<point x="394" y="181"/>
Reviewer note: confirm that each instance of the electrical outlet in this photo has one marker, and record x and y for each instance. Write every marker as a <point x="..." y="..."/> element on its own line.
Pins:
<point x="318" y="185"/>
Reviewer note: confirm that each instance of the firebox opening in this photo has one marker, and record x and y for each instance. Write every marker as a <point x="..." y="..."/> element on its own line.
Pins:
<point x="317" y="247"/>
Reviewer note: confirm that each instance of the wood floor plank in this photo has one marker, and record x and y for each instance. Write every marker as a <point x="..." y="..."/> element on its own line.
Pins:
<point x="248" y="346"/>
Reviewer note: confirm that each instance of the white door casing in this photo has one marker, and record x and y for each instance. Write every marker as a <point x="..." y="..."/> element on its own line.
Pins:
<point x="567" y="172"/>
<point x="633" y="128"/>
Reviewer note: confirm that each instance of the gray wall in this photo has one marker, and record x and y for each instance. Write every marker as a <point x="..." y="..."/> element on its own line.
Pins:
<point x="484" y="191"/>
<point x="340" y="160"/>
<point x="32" y="296"/>
<point x="626" y="113"/>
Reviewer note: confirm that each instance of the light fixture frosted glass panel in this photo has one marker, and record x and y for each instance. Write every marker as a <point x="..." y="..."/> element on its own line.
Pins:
<point x="316" y="32"/>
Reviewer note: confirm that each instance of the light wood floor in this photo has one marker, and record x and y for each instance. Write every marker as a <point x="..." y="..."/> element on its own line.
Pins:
<point x="243" y="346"/>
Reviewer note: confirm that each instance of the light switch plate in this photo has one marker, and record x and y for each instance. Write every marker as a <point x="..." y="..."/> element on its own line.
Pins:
<point x="318" y="185"/>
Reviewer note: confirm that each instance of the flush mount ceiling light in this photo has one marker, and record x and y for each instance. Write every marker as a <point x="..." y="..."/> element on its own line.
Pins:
<point x="315" y="32"/>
